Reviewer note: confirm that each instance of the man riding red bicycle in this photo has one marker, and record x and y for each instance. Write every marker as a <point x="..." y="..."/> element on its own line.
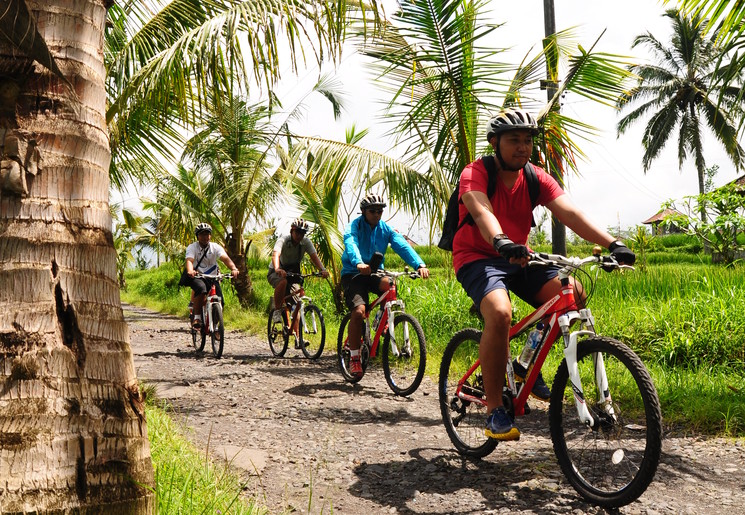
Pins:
<point x="490" y="254"/>
<point x="365" y="236"/>
<point x="202" y="256"/>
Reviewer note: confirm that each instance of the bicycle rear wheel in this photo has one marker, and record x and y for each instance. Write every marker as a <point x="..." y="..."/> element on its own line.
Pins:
<point x="342" y="351"/>
<point x="612" y="463"/>
<point x="464" y="419"/>
<point x="277" y="336"/>
<point x="312" y="332"/>
<point x="404" y="360"/>
<point x="218" y="332"/>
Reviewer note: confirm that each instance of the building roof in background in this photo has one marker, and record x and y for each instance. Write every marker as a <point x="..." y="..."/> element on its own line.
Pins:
<point x="659" y="217"/>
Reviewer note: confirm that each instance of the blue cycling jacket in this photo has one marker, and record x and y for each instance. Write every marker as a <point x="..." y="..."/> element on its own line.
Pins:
<point x="361" y="241"/>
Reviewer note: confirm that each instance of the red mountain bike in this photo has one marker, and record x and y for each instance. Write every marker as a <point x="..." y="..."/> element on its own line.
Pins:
<point x="404" y="347"/>
<point x="604" y="413"/>
<point x="212" y="322"/>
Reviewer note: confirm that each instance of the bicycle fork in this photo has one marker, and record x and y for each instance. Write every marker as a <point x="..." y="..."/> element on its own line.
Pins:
<point x="391" y="330"/>
<point x="571" y="339"/>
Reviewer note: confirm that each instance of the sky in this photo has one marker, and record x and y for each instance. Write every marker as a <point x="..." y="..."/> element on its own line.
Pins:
<point x="612" y="187"/>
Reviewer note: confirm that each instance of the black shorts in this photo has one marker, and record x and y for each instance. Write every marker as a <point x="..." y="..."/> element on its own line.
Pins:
<point x="481" y="277"/>
<point x="201" y="285"/>
<point x="357" y="289"/>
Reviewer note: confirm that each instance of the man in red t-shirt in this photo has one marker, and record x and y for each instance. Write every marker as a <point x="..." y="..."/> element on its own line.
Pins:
<point x="490" y="255"/>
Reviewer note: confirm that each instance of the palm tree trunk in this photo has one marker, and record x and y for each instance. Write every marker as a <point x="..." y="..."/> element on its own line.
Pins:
<point x="72" y="427"/>
<point x="242" y="283"/>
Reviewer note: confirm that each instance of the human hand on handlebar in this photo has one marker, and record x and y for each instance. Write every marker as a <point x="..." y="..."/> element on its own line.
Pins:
<point x="508" y="249"/>
<point x="622" y="253"/>
<point x="280" y="272"/>
<point x="364" y="269"/>
<point x="423" y="272"/>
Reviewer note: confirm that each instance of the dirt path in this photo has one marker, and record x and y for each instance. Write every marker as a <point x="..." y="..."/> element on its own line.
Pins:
<point x="314" y="444"/>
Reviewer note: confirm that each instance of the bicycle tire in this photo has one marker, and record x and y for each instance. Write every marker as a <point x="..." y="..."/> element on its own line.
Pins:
<point x="277" y="336"/>
<point x="198" y="338"/>
<point x="612" y="464"/>
<point x="313" y="332"/>
<point x="218" y="332"/>
<point x="404" y="370"/>
<point x="464" y="421"/>
<point x="342" y="351"/>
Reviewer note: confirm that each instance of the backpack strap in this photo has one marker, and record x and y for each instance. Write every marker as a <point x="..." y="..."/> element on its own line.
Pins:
<point x="534" y="187"/>
<point x="531" y="177"/>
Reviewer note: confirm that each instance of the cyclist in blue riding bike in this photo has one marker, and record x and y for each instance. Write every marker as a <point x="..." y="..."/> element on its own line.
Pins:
<point x="366" y="235"/>
<point x="202" y="256"/>
<point x="490" y="253"/>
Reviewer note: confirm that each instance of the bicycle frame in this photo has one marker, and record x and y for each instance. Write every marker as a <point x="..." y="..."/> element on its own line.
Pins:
<point x="296" y="309"/>
<point x="391" y="304"/>
<point x="558" y="314"/>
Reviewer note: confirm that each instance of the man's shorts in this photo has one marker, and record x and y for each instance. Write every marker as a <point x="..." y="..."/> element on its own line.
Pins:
<point x="201" y="285"/>
<point x="357" y="289"/>
<point x="479" y="278"/>
<point x="274" y="278"/>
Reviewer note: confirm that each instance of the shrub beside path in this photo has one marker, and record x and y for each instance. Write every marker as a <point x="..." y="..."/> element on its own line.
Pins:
<point x="307" y="442"/>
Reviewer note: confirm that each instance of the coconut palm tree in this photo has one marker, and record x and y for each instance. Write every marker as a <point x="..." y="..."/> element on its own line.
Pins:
<point x="436" y="59"/>
<point x="74" y="435"/>
<point x="681" y="95"/>
<point x="159" y="79"/>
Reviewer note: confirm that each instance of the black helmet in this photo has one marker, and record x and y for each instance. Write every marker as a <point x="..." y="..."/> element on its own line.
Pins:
<point x="203" y="227"/>
<point x="299" y="224"/>
<point x="372" y="200"/>
<point x="511" y="120"/>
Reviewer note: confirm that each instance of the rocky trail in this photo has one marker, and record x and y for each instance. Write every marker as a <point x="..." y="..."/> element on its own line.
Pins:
<point x="307" y="442"/>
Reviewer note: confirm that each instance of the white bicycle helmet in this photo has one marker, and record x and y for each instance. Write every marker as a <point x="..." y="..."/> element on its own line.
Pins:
<point x="203" y="227"/>
<point x="511" y="120"/>
<point x="299" y="224"/>
<point x="372" y="200"/>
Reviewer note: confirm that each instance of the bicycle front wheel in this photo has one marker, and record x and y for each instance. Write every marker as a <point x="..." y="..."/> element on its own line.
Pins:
<point x="612" y="463"/>
<point x="218" y="330"/>
<point x="342" y="351"/>
<point x="277" y="336"/>
<point x="405" y="358"/>
<point x="465" y="415"/>
<point x="312" y="332"/>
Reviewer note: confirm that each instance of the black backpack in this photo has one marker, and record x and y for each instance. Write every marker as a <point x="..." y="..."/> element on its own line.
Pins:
<point x="450" y="226"/>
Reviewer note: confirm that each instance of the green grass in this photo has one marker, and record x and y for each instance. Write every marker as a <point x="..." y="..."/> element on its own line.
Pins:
<point x="187" y="481"/>
<point x="684" y="316"/>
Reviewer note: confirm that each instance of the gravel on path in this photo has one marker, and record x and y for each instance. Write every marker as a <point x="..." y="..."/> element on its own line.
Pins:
<point x="307" y="442"/>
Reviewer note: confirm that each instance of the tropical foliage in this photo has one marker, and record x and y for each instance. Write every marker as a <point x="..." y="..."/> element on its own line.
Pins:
<point x="166" y="60"/>
<point x="437" y="61"/>
<point x="682" y="97"/>
<point x="722" y="229"/>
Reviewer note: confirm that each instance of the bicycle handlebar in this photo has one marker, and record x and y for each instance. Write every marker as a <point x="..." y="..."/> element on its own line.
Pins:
<point x="607" y="262"/>
<point x="217" y="277"/>
<point x="312" y="274"/>
<point x="387" y="273"/>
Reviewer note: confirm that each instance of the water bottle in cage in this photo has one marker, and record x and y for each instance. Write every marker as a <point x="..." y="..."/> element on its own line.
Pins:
<point x="534" y="339"/>
<point x="376" y="320"/>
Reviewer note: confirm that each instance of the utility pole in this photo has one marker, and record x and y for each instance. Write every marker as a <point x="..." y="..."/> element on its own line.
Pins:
<point x="551" y="85"/>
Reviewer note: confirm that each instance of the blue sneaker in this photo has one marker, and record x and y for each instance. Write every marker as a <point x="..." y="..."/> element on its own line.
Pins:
<point x="540" y="388"/>
<point x="499" y="426"/>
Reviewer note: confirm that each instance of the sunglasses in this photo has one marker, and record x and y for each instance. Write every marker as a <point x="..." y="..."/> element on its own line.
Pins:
<point x="376" y="211"/>
<point x="300" y="232"/>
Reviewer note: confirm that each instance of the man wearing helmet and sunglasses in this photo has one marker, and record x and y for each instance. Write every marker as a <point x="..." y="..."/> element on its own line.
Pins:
<point x="490" y="255"/>
<point x="366" y="235"/>
<point x="202" y="256"/>
<point x="286" y="257"/>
